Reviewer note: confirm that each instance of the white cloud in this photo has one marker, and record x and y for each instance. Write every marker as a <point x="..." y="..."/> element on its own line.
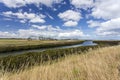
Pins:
<point x="37" y="20"/>
<point x="49" y="16"/>
<point x="62" y="34"/>
<point x="46" y="31"/>
<point x="20" y="3"/>
<point x="36" y="30"/>
<point x="13" y="3"/>
<point x="23" y="21"/>
<point x="70" y="23"/>
<point x="71" y="34"/>
<point x="70" y="16"/>
<point x="32" y="17"/>
<point x="39" y="27"/>
<point x="109" y="12"/>
<point x="47" y="27"/>
<point x="7" y="19"/>
<point x="82" y="3"/>
<point x="93" y="24"/>
<point x="51" y="28"/>
<point x="7" y="34"/>
<point x="110" y="27"/>
<point x="104" y="9"/>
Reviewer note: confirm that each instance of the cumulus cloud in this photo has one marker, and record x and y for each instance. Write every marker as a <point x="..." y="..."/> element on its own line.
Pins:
<point x="104" y="9"/>
<point x="46" y="31"/>
<point x="62" y="34"/>
<point x="23" y="21"/>
<point x="7" y="34"/>
<point x="75" y="34"/>
<point x="109" y="13"/>
<point x="20" y="3"/>
<point x="93" y="24"/>
<point x="101" y="9"/>
<point x="32" y="17"/>
<point x="39" y="27"/>
<point x="37" y="20"/>
<point x="70" y="23"/>
<point x="82" y="3"/>
<point x="105" y="18"/>
<point x="47" y="27"/>
<point x="110" y="27"/>
<point x="70" y="16"/>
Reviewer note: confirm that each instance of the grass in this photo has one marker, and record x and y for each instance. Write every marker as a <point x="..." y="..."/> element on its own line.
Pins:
<point x="9" y="45"/>
<point x="17" y="62"/>
<point x="99" y="64"/>
<point x="14" y="42"/>
<point x="21" y="61"/>
<point x="107" y="42"/>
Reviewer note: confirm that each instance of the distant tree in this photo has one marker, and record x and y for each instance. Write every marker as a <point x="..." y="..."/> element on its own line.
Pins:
<point x="29" y="38"/>
<point x="41" y="37"/>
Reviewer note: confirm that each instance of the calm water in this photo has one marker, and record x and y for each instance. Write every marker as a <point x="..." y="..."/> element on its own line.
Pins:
<point x="86" y="43"/>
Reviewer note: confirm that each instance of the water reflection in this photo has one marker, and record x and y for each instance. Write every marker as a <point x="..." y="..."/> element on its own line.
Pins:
<point x="85" y="43"/>
<point x="88" y="42"/>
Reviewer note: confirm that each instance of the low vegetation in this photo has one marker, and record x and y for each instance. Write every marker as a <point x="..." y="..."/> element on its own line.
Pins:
<point x="99" y="64"/>
<point x="107" y="43"/>
<point x="17" y="62"/>
<point x="18" y="45"/>
<point x="9" y="45"/>
<point x="21" y="61"/>
<point x="33" y="61"/>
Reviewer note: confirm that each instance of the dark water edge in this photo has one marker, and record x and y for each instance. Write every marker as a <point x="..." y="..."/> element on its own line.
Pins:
<point x="27" y="60"/>
<point x="86" y="43"/>
<point x="17" y="62"/>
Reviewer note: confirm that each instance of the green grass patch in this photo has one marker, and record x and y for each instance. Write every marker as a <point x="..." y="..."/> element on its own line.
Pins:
<point x="18" y="45"/>
<point x="11" y="63"/>
<point x="18" y="62"/>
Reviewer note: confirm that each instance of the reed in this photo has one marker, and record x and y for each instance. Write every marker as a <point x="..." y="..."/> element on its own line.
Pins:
<point x="98" y="64"/>
<point x="17" y="62"/>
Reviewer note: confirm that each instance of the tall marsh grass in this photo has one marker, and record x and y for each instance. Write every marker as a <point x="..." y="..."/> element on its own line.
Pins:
<point x="21" y="61"/>
<point x="99" y="64"/>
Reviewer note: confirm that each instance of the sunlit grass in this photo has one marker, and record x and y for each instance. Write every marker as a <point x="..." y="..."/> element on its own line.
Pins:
<point x="18" y="45"/>
<point x="13" y="42"/>
<point x="99" y="64"/>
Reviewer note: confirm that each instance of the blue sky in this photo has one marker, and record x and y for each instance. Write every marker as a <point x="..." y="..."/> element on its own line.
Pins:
<point x="61" y="19"/>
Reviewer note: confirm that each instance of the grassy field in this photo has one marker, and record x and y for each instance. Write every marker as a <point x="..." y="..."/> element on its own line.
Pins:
<point x="14" y="42"/>
<point x="27" y="60"/>
<point x="9" y="45"/>
<point x="20" y="42"/>
<point x="10" y="63"/>
<point x="52" y="59"/>
<point x="99" y="64"/>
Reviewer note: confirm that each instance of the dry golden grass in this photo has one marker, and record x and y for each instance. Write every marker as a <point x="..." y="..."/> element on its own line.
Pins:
<point x="100" y="64"/>
<point x="13" y="42"/>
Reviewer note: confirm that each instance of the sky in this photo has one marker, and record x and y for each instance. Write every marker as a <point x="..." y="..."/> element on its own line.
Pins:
<point x="60" y="19"/>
